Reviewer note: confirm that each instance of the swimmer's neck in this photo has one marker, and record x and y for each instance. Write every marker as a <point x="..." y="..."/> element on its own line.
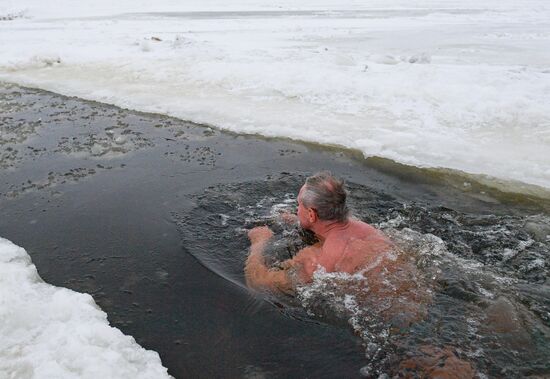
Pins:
<point x="323" y="229"/>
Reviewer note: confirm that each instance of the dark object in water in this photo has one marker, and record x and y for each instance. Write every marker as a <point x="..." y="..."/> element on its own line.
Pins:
<point x="289" y="238"/>
<point x="287" y="242"/>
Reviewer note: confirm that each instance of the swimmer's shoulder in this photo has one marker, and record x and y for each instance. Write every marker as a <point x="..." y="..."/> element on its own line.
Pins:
<point x="367" y="233"/>
<point x="360" y="229"/>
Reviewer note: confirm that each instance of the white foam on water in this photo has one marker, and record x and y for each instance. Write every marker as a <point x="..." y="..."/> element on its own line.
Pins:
<point x="455" y="84"/>
<point x="53" y="332"/>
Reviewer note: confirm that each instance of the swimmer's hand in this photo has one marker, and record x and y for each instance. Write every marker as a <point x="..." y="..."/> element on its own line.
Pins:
<point x="288" y="218"/>
<point x="259" y="234"/>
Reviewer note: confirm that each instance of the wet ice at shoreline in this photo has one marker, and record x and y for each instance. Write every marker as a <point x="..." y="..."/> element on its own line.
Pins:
<point x="53" y="332"/>
<point x="462" y="85"/>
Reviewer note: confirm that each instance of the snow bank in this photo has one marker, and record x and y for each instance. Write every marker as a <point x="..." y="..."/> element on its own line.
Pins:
<point x="53" y="332"/>
<point x="455" y="84"/>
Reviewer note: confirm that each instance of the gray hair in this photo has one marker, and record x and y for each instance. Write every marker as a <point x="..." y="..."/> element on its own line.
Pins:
<point x="327" y="195"/>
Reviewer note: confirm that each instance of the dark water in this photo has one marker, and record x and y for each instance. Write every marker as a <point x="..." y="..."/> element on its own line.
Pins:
<point x="148" y="214"/>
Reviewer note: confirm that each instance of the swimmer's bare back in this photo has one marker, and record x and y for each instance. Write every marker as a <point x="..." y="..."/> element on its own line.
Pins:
<point x="345" y="248"/>
<point x="352" y="246"/>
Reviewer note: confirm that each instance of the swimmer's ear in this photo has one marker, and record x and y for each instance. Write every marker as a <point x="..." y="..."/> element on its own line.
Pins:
<point x="312" y="214"/>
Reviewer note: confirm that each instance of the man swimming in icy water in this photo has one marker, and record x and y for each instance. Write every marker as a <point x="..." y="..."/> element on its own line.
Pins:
<point x="345" y="244"/>
<point x="348" y="245"/>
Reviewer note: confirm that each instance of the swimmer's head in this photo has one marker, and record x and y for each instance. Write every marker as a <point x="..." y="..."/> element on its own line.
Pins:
<point x="325" y="195"/>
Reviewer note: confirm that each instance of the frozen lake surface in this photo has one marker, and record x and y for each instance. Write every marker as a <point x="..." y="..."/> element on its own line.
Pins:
<point x="463" y="85"/>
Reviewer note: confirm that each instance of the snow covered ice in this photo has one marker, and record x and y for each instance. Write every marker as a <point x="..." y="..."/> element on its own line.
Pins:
<point x="455" y="84"/>
<point x="53" y="332"/>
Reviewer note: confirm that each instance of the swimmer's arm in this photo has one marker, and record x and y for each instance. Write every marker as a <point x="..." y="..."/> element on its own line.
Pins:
<point x="305" y="262"/>
<point x="288" y="218"/>
<point x="257" y="275"/>
<point x="299" y="269"/>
